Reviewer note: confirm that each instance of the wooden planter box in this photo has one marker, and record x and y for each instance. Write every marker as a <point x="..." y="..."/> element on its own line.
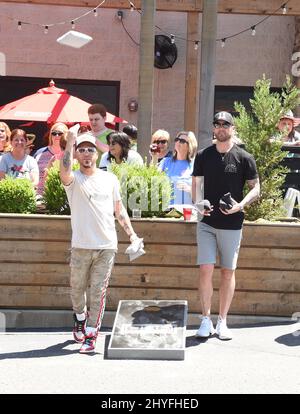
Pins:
<point x="34" y="271"/>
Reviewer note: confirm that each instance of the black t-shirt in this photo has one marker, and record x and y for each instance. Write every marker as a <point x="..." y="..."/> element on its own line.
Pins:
<point x="224" y="173"/>
<point x="169" y="154"/>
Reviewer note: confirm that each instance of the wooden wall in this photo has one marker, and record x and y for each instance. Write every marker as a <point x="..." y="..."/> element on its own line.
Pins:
<point x="34" y="271"/>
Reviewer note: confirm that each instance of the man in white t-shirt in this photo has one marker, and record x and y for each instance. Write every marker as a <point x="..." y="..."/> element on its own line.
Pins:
<point x="95" y="201"/>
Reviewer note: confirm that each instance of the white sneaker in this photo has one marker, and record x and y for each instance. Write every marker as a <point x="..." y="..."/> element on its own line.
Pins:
<point x="206" y="328"/>
<point x="222" y="331"/>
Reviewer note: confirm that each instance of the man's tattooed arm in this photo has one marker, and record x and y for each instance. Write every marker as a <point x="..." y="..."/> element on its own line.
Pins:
<point x="66" y="174"/>
<point x="124" y="220"/>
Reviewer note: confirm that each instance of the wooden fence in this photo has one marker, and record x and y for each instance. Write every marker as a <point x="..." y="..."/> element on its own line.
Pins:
<point x="34" y="271"/>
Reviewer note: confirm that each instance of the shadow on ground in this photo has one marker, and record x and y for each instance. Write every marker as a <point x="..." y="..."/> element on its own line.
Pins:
<point x="59" y="349"/>
<point x="291" y="339"/>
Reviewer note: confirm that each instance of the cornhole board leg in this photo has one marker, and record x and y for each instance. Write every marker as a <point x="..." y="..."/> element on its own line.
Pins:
<point x="149" y="329"/>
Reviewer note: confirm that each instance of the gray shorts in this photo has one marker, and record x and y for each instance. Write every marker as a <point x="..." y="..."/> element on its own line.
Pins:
<point x="225" y="242"/>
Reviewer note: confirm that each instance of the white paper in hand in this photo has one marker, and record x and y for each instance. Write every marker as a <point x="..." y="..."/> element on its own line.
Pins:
<point x="135" y="249"/>
<point x="202" y="206"/>
<point x="74" y="129"/>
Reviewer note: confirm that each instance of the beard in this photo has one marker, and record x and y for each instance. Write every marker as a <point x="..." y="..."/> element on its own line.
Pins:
<point x="222" y="136"/>
<point x="87" y="163"/>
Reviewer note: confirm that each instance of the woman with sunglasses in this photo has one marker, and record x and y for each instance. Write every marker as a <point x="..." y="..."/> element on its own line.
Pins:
<point x="45" y="154"/>
<point x="179" y="167"/>
<point x="17" y="163"/>
<point x="119" y="151"/>
<point x="159" y="147"/>
<point x="4" y="138"/>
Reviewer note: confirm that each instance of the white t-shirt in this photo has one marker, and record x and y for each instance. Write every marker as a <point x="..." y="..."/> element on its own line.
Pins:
<point x="91" y="200"/>
<point x="133" y="158"/>
<point x="18" y="168"/>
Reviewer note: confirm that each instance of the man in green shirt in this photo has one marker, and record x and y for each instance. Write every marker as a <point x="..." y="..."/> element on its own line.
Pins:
<point x="97" y="117"/>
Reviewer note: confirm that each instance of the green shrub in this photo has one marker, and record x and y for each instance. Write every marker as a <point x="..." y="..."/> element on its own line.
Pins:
<point x="55" y="197"/>
<point x="255" y="128"/>
<point x="144" y="187"/>
<point x="17" y="196"/>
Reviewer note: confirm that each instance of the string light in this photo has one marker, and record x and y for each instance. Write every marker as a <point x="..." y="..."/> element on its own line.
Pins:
<point x="284" y="9"/>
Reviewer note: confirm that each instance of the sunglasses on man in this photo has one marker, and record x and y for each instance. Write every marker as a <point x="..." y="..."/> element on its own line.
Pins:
<point x="88" y="150"/>
<point x="224" y="125"/>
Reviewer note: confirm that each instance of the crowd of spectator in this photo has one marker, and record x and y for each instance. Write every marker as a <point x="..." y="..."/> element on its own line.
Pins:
<point x="173" y="156"/>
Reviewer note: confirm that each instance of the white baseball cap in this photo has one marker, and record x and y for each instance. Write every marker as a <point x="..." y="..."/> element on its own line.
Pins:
<point x="86" y="138"/>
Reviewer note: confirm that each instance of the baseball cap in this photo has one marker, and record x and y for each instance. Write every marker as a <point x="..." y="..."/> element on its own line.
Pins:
<point x="288" y="114"/>
<point x="86" y="138"/>
<point x="223" y="116"/>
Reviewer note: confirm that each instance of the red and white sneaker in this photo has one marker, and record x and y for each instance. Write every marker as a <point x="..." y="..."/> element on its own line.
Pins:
<point x="79" y="329"/>
<point x="89" y="343"/>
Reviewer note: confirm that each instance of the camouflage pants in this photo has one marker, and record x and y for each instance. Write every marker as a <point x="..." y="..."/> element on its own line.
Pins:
<point x="92" y="267"/>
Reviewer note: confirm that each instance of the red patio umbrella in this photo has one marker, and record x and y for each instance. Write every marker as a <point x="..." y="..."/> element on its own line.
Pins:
<point x="51" y="105"/>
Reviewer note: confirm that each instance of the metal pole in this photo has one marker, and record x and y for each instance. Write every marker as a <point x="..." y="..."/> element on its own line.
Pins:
<point x="207" y="71"/>
<point x="146" y="76"/>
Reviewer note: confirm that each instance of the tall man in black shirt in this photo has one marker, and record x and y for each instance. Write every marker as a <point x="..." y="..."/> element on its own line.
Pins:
<point x="219" y="169"/>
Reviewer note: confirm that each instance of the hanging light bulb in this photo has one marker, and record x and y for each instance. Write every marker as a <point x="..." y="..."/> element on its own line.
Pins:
<point x="46" y="29"/>
<point x="223" y="42"/>
<point x="284" y="9"/>
<point x="196" y="45"/>
<point x="95" y="12"/>
<point x="19" y="25"/>
<point x="253" y="31"/>
<point x="72" y="24"/>
<point x="172" y="39"/>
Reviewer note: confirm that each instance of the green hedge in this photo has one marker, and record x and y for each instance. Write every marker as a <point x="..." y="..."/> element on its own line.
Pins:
<point x="17" y="196"/>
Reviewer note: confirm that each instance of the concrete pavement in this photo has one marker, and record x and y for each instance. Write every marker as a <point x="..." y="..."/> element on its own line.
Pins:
<point x="262" y="358"/>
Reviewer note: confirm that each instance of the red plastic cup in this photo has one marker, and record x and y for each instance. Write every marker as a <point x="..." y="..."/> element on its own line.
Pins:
<point x="187" y="214"/>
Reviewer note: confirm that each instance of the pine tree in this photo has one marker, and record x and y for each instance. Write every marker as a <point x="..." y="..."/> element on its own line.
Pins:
<point x="255" y="128"/>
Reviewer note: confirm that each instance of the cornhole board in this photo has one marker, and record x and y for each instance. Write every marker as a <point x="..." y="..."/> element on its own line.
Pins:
<point x="149" y="329"/>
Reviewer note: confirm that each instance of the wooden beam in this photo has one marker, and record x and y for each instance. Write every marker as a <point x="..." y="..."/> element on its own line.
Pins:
<point x="191" y="74"/>
<point x="262" y="7"/>
<point x="207" y="72"/>
<point x="146" y="76"/>
<point x="295" y="57"/>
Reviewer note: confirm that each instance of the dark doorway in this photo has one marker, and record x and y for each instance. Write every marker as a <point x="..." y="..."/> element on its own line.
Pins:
<point x="226" y="96"/>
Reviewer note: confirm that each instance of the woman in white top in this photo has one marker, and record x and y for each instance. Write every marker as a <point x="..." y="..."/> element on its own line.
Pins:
<point x="119" y="151"/>
<point x="17" y="163"/>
